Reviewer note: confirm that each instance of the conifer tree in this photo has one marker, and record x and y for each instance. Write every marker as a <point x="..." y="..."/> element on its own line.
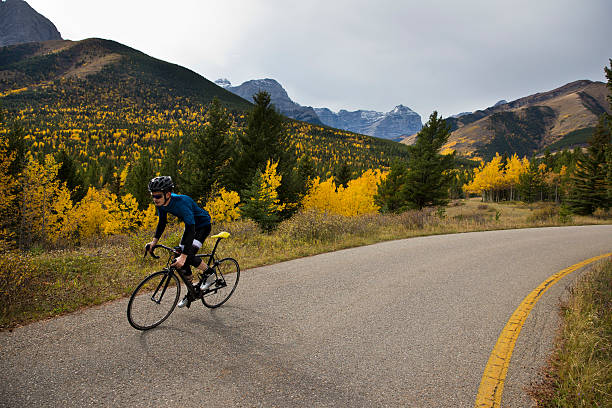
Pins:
<point x="344" y="174"/>
<point x="592" y="177"/>
<point x="391" y="196"/>
<point x="207" y="156"/>
<point x="530" y="183"/>
<point x="93" y="174"/>
<point x="262" y="203"/>
<point x="172" y="160"/>
<point x="137" y="180"/>
<point x="70" y="172"/>
<point x="429" y="175"/>
<point x="306" y="173"/>
<point x="260" y="142"/>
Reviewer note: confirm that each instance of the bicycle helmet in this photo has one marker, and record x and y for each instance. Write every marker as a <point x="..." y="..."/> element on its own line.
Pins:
<point x="161" y="183"/>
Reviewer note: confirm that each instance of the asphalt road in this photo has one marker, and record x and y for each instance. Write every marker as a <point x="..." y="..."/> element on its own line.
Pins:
<point x="403" y="323"/>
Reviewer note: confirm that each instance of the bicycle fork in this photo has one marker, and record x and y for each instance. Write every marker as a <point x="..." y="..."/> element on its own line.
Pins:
<point x="164" y="282"/>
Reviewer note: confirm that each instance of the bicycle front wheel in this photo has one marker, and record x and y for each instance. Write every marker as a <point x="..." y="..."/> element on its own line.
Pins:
<point x="228" y="273"/>
<point x="153" y="300"/>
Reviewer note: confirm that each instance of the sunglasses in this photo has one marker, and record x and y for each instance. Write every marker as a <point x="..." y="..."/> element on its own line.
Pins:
<point x="157" y="196"/>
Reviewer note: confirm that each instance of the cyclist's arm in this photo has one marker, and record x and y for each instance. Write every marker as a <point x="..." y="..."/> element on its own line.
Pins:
<point x="188" y="236"/>
<point x="161" y="226"/>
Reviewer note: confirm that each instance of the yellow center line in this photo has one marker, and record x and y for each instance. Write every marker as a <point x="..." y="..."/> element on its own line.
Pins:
<point x="492" y="383"/>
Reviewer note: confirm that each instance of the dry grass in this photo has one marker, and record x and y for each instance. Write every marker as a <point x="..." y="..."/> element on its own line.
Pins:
<point x="51" y="283"/>
<point x="580" y="371"/>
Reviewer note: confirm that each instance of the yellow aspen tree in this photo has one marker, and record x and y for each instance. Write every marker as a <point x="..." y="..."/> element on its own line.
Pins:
<point x="487" y="178"/>
<point x="62" y="226"/>
<point x="8" y="186"/>
<point x="149" y="219"/>
<point x="270" y="182"/>
<point x="322" y="196"/>
<point x="358" y="197"/>
<point x="262" y="203"/>
<point x="514" y="168"/>
<point x="90" y="214"/>
<point x="39" y="191"/>
<point x="224" y="206"/>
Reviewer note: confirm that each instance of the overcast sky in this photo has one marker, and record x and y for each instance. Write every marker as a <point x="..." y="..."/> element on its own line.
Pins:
<point x="449" y="56"/>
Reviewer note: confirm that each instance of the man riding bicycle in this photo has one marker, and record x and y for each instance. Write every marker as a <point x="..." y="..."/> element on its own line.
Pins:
<point x="197" y="227"/>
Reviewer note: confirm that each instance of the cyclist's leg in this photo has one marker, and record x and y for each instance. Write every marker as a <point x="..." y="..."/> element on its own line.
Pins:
<point x="200" y="236"/>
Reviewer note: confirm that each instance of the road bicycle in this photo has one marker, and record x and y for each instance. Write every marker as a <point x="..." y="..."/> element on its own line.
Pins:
<point x="155" y="298"/>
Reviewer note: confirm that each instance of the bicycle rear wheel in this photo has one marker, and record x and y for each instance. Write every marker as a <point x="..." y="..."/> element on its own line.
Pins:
<point x="228" y="273"/>
<point x="153" y="300"/>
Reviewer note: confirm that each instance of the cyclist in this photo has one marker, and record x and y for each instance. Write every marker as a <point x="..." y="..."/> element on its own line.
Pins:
<point x="197" y="227"/>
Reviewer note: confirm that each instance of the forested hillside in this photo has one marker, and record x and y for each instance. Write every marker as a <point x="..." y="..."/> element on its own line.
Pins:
<point x="103" y="103"/>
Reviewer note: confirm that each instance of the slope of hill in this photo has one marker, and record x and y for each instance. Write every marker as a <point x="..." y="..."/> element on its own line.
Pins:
<point x="20" y="23"/>
<point x="562" y="117"/>
<point x="104" y="63"/>
<point x="102" y="101"/>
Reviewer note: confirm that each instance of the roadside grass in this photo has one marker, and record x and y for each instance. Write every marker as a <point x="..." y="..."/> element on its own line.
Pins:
<point x="579" y="373"/>
<point x="41" y="284"/>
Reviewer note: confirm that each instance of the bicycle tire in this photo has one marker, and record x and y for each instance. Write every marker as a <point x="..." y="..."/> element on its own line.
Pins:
<point x="228" y="274"/>
<point x="146" y="311"/>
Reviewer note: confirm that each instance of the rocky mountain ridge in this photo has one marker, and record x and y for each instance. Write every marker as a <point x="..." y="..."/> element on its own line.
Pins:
<point x="400" y="121"/>
<point x="20" y="23"/>
<point x="560" y="118"/>
<point x="279" y="97"/>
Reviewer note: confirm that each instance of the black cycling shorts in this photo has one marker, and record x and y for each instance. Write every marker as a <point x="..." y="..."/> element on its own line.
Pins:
<point x="198" y="240"/>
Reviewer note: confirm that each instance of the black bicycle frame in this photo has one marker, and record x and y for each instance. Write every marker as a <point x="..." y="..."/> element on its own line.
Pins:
<point x="171" y="270"/>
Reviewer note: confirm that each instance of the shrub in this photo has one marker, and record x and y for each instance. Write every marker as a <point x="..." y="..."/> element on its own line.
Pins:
<point x="417" y="219"/>
<point x="544" y="213"/>
<point x="565" y="214"/>
<point x="16" y="273"/>
<point x="313" y="225"/>
<point x="474" y="218"/>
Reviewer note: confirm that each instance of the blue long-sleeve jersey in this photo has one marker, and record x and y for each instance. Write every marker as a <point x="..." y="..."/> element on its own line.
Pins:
<point x="188" y="212"/>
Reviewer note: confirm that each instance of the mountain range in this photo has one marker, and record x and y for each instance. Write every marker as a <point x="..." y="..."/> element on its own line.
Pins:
<point x="560" y="118"/>
<point x="395" y="124"/>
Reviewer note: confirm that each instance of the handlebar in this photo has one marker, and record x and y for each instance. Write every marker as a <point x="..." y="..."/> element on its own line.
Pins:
<point x="175" y="251"/>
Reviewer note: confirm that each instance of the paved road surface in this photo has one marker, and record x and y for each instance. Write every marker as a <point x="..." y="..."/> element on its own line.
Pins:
<point x="402" y="323"/>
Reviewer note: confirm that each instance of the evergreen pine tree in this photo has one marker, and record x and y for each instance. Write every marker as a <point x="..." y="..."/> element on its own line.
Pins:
<point x="344" y="174"/>
<point x="390" y="196"/>
<point x="16" y="144"/>
<point x="260" y="142"/>
<point x="261" y="200"/>
<point x="591" y="176"/>
<point x="137" y="180"/>
<point x="530" y="183"/>
<point x="93" y="174"/>
<point x="429" y="172"/>
<point x="172" y="160"/>
<point x="70" y="172"/>
<point x="207" y="156"/>
<point x="306" y="173"/>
